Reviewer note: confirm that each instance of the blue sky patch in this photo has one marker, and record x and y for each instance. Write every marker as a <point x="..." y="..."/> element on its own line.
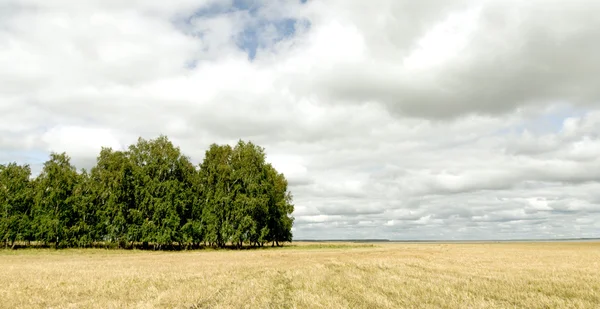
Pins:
<point x="251" y="39"/>
<point x="552" y="121"/>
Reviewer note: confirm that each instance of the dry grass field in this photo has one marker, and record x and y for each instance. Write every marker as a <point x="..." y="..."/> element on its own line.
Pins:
<point x="487" y="275"/>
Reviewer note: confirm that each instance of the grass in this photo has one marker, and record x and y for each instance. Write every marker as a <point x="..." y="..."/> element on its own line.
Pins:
<point x="309" y="275"/>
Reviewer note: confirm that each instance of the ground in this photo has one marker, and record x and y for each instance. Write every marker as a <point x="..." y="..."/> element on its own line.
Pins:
<point x="481" y="275"/>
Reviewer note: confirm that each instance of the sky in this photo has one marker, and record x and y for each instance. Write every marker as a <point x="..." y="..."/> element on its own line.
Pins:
<point x="397" y="119"/>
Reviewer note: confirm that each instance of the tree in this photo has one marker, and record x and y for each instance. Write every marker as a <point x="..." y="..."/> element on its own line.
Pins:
<point x="214" y="179"/>
<point x="150" y="193"/>
<point x="112" y="186"/>
<point x="250" y="202"/>
<point x="54" y="203"/>
<point x="163" y="179"/>
<point x="15" y="203"/>
<point x="245" y="199"/>
<point x="192" y="231"/>
<point x="280" y="219"/>
<point x="83" y="229"/>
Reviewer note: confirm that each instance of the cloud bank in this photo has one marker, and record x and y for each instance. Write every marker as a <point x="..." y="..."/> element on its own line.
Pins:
<point x="392" y="119"/>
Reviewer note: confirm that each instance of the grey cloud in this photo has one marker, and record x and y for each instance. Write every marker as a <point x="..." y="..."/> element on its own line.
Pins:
<point x="347" y="209"/>
<point x="299" y="181"/>
<point x="520" y="54"/>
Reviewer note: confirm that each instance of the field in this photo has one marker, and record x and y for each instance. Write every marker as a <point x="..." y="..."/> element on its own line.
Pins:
<point x="308" y="275"/>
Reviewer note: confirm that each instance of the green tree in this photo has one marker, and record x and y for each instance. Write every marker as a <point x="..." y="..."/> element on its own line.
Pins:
<point x="215" y="180"/>
<point x="15" y="203"/>
<point x="280" y="219"/>
<point x="112" y="186"/>
<point x="250" y="201"/>
<point x="54" y="203"/>
<point x="150" y="193"/>
<point x="245" y="199"/>
<point x="192" y="231"/>
<point x="83" y="230"/>
<point x="163" y="179"/>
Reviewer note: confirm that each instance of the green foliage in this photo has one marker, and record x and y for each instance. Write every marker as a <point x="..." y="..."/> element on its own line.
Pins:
<point x="82" y="229"/>
<point x="55" y="200"/>
<point x="163" y="180"/>
<point x="246" y="200"/>
<point x="15" y="203"/>
<point x="112" y="193"/>
<point x="215" y="181"/>
<point x="149" y="194"/>
<point x="280" y="218"/>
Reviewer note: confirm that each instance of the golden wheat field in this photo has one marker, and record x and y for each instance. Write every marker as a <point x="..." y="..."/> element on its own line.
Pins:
<point x="308" y="275"/>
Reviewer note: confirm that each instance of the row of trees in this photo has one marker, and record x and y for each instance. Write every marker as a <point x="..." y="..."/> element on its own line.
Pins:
<point x="149" y="195"/>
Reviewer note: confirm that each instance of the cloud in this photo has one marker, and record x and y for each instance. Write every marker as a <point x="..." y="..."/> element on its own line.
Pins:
<point x="488" y="57"/>
<point x="81" y="143"/>
<point x="392" y="119"/>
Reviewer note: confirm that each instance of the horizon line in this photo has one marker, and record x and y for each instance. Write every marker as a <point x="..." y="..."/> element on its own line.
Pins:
<point x="445" y="240"/>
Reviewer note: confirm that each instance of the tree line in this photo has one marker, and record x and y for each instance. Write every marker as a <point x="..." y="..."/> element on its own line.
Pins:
<point x="150" y="196"/>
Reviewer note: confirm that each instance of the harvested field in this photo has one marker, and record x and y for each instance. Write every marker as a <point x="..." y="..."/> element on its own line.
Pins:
<point x="308" y="275"/>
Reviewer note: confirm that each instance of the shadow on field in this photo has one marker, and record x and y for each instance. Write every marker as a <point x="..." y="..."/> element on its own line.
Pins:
<point x="141" y="246"/>
<point x="147" y="246"/>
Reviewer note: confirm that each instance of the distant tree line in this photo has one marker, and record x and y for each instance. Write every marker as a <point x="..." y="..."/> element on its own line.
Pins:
<point x="149" y="196"/>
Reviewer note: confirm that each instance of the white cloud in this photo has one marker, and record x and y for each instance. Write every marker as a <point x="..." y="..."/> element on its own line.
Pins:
<point x="83" y="144"/>
<point x="390" y="119"/>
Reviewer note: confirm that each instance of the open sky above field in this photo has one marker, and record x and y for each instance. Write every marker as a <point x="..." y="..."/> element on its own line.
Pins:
<point x="390" y="118"/>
